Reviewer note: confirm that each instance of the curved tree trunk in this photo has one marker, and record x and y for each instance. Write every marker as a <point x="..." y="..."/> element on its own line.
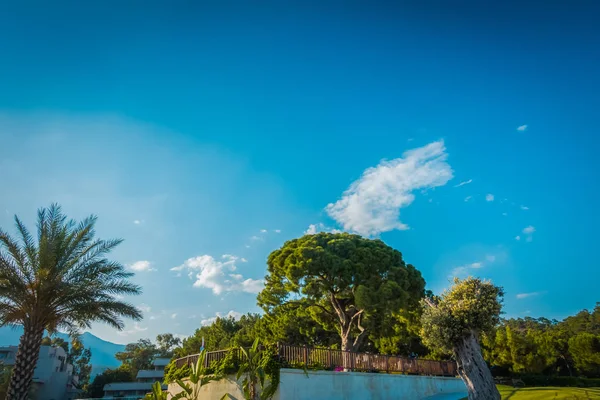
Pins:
<point x="474" y="371"/>
<point x="25" y="363"/>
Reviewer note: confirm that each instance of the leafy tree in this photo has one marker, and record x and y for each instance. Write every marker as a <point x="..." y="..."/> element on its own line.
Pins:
<point x="348" y="283"/>
<point x="585" y="349"/>
<point x="292" y="324"/>
<point x="166" y="343"/>
<point x="96" y="388"/>
<point x="454" y="321"/>
<point x="80" y="358"/>
<point x="137" y="356"/>
<point x="59" y="279"/>
<point x="223" y="333"/>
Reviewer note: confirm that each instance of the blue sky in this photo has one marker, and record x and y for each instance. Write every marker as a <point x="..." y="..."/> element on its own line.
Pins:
<point x="207" y="134"/>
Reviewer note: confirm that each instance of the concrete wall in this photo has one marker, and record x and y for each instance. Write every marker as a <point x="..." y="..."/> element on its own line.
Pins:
<point x="295" y="385"/>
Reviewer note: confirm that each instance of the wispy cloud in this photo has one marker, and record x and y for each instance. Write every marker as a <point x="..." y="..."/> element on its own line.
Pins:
<point x="517" y="237"/>
<point x="137" y="221"/>
<point x="505" y="214"/>
<point x="135" y="329"/>
<point x="218" y="275"/>
<point x="320" y="227"/>
<point x="256" y="238"/>
<point x="468" y="198"/>
<point x="141" y="266"/>
<point x="231" y="314"/>
<point x="522" y="128"/>
<point x="531" y="294"/>
<point x="144" y="308"/>
<point x="263" y="231"/>
<point x="463" y="183"/>
<point x="465" y="269"/>
<point x="372" y="203"/>
<point x="174" y="315"/>
<point x="528" y="231"/>
<point x="277" y="230"/>
<point x="524" y="208"/>
<point x="489" y="197"/>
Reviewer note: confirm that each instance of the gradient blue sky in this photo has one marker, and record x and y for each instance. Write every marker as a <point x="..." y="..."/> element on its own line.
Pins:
<point x="191" y="127"/>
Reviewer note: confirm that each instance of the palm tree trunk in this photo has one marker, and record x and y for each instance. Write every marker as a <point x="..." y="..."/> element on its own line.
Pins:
<point x="25" y="363"/>
<point x="474" y="371"/>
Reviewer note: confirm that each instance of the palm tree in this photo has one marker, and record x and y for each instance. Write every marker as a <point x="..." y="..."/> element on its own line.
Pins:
<point x="59" y="280"/>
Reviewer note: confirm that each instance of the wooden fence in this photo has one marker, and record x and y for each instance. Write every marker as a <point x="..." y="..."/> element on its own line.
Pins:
<point x="328" y="359"/>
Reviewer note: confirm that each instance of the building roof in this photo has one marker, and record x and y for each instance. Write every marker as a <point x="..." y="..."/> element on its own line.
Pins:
<point x="126" y="386"/>
<point x="161" y="362"/>
<point x="150" y="373"/>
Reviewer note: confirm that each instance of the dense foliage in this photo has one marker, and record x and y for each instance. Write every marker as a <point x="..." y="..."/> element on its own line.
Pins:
<point x="345" y="283"/>
<point x="540" y="346"/>
<point x="470" y="306"/>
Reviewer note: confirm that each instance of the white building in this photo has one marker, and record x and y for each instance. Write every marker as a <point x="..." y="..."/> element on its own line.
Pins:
<point x="53" y="377"/>
<point x="143" y="384"/>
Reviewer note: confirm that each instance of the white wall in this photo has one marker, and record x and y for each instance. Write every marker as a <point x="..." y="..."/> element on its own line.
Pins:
<point x="365" y="386"/>
<point x="295" y="385"/>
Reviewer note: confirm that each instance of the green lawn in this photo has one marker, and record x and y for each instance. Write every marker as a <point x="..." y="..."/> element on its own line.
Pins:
<point x="543" y="393"/>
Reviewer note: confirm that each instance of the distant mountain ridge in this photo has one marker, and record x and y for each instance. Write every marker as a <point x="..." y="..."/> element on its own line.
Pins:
<point x="103" y="352"/>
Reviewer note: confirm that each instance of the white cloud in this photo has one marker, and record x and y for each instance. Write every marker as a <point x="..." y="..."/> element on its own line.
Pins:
<point x="517" y="237"/>
<point x="522" y="128"/>
<point x="233" y="314"/>
<point x="525" y="295"/>
<point x="505" y="214"/>
<point x="529" y="230"/>
<point x="174" y="315"/>
<point x="247" y="246"/>
<point x="463" y="183"/>
<point x="468" y="198"/>
<point x="263" y="231"/>
<point x="144" y="308"/>
<point x="464" y="270"/>
<point x="489" y="197"/>
<point x="243" y="259"/>
<point x="252" y="285"/>
<point x="524" y="208"/>
<point x="136" y="329"/>
<point x="255" y="238"/>
<point x="277" y="230"/>
<point x="137" y="221"/>
<point x="372" y="203"/>
<point x="152" y="317"/>
<point x="320" y="227"/>
<point x="312" y="229"/>
<point x="140" y="266"/>
<point x="214" y="274"/>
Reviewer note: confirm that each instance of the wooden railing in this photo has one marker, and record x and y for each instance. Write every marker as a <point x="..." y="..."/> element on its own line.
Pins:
<point x="328" y="359"/>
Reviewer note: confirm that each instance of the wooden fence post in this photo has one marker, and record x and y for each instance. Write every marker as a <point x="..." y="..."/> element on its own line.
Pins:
<point x="305" y="356"/>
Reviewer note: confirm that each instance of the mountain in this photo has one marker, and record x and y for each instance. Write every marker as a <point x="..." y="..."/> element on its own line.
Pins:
<point x="103" y="352"/>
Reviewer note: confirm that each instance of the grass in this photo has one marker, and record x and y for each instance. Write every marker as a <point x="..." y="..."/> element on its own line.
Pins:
<point x="550" y="393"/>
